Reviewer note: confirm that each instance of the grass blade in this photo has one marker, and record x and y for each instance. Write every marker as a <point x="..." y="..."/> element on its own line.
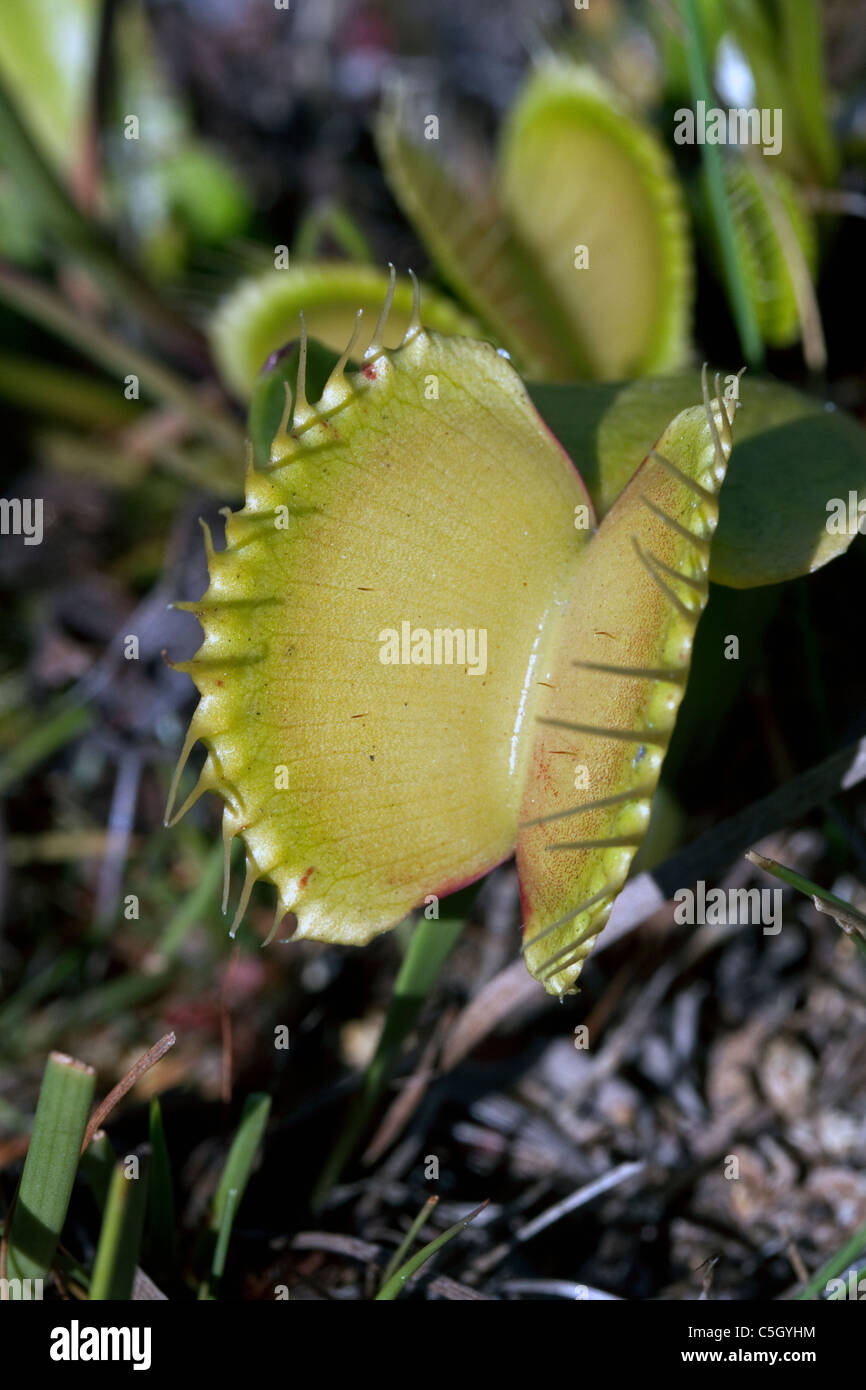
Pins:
<point x="431" y="944"/>
<point x="834" y="1266"/>
<point x="406" y="1243"/>
<point x="162" y="1230"/>
<point x="191" y="909"/>
<point x="232" y="1186"/>
<point x="852" y="922"/>
<point x="221" y="1248"/>
<point x="392" y="1288"/>
<point x="741" y="302"/>
<point x="58" y="726"/>
<point x="97" y="1166"/>
<point x="65" y="1098"/>
<point x="122" y="1226"/>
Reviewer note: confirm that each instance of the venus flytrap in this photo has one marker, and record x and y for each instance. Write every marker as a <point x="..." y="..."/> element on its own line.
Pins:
<point x="615" y="671"/>
<point x="573" y="255"/>
<point x="451" y="476"/>
<point x="250" y="323"/>
<point x="360" y="788"/>
<point x="469" y="240"/>
<point x="576" y="168"/>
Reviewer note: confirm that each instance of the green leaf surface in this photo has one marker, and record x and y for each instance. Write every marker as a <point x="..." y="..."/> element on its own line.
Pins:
<point x="792" y="455"/>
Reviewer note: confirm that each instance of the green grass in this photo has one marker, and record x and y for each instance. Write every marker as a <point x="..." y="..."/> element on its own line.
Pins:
<point x="122" y="1225"/>
<point x="40" y="1205"/>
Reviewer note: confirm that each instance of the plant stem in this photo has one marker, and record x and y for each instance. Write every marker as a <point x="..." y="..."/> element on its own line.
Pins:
<point x="852" y="922"/>
<point x="135" y="1073"/>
